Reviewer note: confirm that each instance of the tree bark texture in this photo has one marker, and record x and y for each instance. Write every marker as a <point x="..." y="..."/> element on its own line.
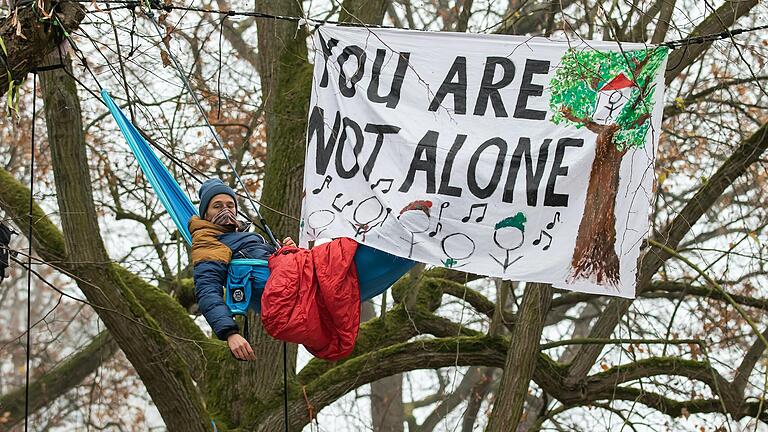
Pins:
<point x="163" y="372"/>
<point x="38" y="38"/>
<point x="521" y="358"/>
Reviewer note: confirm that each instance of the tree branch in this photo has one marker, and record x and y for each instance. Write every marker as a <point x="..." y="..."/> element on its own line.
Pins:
<point x="473" y="376"/>
<point x="366" y="368"/>
<point x="586" y="121"/>
<point x="721" y="19"/>
<point x="531" y="17"/>
<point x="35" y="38"/>
<point x="748" y="363"/>
<point x="746" y="154"/>
<point x="57" y="381"/>
<point x="680" y="105"/>
<point x="474" y="298"/>
<point x="488" y="351"/>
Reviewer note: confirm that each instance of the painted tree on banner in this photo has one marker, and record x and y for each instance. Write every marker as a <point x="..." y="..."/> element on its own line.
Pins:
<point x="611" y="94"/>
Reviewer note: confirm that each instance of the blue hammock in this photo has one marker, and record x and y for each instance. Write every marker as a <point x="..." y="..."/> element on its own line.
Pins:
<point x="377" y="270"/>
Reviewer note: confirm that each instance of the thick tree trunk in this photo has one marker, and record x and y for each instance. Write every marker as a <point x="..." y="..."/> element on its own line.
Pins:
<point x="521" y="358"/>
<point x="285" y="86"/>
<point x="286" y="78"/>
<point x="163" y="372"/>
<point x="363" y="11"/>
<point x="594" y="257"/>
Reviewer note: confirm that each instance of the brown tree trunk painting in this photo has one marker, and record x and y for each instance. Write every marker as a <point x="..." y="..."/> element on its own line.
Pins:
<point x="620" y="124"/>
<point x="594" y="256"/>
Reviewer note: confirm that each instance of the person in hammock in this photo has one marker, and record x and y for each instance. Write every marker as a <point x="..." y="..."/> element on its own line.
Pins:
<point x="217" y="238"/>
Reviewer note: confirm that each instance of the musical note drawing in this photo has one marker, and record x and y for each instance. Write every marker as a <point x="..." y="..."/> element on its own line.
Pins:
<point x="326" y="182"/>
<point x="439" y="225"/>
<point x="480" y="218"/>
<point x="556" y="218"/>
<point x="348" y="203"/>
<point x="386" y="181"/>
<point x="543" y="233"/>
<point x="538" y="240"/>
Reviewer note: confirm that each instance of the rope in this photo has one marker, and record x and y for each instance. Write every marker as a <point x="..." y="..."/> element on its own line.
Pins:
<point x="310" y="407"/>
<point x="29" y="254"/>
<point x="727" y="34"/>
<point x="263" y="222"/>
<point x="154" y="4"/>
<point x="285" y="385"/>
<point x="180" y="71"/>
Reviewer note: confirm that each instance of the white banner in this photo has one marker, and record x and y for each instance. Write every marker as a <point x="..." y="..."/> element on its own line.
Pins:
<point x="522" y="158"/>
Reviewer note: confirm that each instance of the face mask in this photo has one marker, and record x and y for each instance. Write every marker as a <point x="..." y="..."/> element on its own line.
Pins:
<point x="225" y="217"/>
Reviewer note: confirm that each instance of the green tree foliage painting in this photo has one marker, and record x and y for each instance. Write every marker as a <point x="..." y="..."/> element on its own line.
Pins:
<point x="611" y="94"/>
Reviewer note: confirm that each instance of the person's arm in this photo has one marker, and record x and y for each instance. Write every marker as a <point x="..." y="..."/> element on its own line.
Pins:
<point x="210" y="277"/>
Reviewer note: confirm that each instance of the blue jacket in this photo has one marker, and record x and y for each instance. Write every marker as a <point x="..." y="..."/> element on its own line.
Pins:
<point x="213" y="246"/>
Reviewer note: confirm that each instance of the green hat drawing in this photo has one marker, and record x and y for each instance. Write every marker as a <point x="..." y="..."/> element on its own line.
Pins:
<point x="516" y="221"/>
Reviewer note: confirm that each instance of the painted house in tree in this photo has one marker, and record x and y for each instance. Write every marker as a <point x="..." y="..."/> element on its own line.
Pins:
<point x="611" y="99"/>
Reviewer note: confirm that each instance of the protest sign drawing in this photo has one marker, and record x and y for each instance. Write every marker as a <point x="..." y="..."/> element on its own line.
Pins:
<point x="521" y="158"/>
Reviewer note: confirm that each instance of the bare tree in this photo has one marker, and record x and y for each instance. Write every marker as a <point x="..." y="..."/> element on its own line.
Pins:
<point x="508" y="356"/>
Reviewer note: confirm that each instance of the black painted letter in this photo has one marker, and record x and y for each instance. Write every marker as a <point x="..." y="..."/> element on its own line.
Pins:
<point x="427" y="147"/>
<point x="352" y="50"/>
<point x="532" y="175"/>
<point x="490" y="90"/>
<point x="397" y="79"/>
<point x="488" y="190"/>
<point x="445" y="177"/>
<point x="327" y="47"/>
<point x="532" y="67"/>
<point x="317" y="127"/>
<point x="379" y="130"/>
<point x="458" y="88"/>
<point x="552" y="199"/>
<point x="356" y="148"/>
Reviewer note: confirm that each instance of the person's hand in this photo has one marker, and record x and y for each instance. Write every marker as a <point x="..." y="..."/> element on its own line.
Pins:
<point x="240" y="347"/>
<point x="289" y="242"/>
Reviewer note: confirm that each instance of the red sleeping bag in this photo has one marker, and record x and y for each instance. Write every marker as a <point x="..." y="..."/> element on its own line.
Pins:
<point x="312" y="297"/>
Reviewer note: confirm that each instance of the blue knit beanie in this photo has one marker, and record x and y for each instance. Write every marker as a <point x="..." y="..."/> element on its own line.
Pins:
<point x="209" y="189"/>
